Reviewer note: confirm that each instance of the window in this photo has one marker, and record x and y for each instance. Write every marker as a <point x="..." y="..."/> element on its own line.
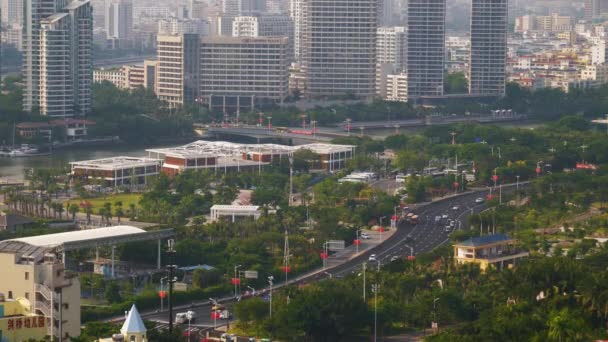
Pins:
<point x="27" y="295"/>
<point x="27" y="275"/>
<point x="10" y="294"/>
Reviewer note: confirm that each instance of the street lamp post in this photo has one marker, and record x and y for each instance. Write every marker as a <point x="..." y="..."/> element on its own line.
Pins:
<point x="517" y="184"/>
<point x="375" y="288"/>
<point x="270" y="282"/>
<point x="314" y="125"/>
<point x="189" y="317"/>
<point x="434" y="324"/>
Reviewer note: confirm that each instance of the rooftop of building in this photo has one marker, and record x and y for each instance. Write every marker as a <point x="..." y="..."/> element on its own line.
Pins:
<point x="35" y="247"/>
<point x="114" y="163"/>
<point x="235" y="207"/>
<point x="203" y="148"/>
<point x="484" y="240"/>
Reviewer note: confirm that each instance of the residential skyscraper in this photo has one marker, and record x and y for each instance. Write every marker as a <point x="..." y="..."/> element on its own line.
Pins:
<point x="119" y="19"/>
<point x="488" y="47"/>
<point x="339" y="47"/>
<point x="295" y="12"/>
<point x="57" y="67"/>
<point x="12" y="11"/>
<point x="425" y="47"/>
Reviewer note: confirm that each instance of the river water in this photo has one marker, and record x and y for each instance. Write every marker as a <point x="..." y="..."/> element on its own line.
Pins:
<point x="13" y="168"/>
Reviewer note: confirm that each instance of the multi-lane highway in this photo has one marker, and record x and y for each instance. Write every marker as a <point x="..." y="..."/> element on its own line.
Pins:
<point x="407" y="240"/>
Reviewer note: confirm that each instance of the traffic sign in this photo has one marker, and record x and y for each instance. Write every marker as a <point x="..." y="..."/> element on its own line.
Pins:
<point x="251" y="274"/>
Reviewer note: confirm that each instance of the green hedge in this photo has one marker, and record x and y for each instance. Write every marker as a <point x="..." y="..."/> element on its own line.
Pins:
<point x="149" y="300"/>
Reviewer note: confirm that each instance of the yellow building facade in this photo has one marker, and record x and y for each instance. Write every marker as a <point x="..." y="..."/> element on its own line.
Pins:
<point x="498" y="251"/>
<point x="18" y="323"/>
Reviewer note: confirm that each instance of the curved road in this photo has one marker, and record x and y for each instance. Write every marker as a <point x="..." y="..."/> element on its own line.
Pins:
<point x="408" y="239"/>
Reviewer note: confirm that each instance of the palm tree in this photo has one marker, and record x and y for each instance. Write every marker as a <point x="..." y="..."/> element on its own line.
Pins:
<point x="60" y="210"/>
<point x="132" y="211"/>
<point x="73" y="209"/>
<point x="118" y="210"/>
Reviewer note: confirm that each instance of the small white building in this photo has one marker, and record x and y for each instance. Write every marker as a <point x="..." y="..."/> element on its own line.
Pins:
<point x="234" y="211"/>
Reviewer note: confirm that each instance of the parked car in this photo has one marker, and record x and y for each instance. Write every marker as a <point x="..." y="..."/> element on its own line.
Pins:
<point x="456" y="207"/>
<point x="394" y="258"/>
<point x="365" y="236"/>
<point x="372" y="257"/>
<point x="479" y="200"/>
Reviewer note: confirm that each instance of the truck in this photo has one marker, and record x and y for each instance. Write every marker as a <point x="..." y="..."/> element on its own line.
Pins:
<point x="182" y="317"/>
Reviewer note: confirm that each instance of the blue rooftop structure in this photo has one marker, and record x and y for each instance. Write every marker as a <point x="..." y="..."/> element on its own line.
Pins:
<point x="484" y="240"/>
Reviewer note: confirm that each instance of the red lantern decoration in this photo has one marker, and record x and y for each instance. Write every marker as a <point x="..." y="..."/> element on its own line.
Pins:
<point x="324" y="255"/>
<point x="236" y="281"/>
<point x="495" y="178"/>
<point x="411" y="258"/>
<point x="490" y="197"/>
<point x="394" y="217"/>
<point x="381" y="229"/>
<point x="456" y="185"/>
<point x="215" y="315"/>
<point x="286" y="269"/>
<point x="162" y="294"/>
<point x="357" y="242"/>
<point x="538" y="170"/>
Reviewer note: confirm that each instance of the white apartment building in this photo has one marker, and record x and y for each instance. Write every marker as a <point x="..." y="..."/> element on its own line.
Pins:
<point x="598" y="53"/>
<point x="178" y="68"/>
<point x="119" y="19"/>
<point x="174" y="26"/>
<point x="391" y="55"/>
<point x="276" y="25"/>
<point x="65" y="69"/>
<point x="339" y="47"/>
<point x="114" y="76"/>
<point x="396" y="87"/>
<point x="57" y="67"/>
<point x="236" y="72"/>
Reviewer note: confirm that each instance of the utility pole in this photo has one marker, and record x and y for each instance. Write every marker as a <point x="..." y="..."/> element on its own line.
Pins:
<point x="375" y="288"/>
<point x="171" y="279"/>
<point x="270" y="282"/>
<point x="364" y="269"/>
<point x="290" y="201"/>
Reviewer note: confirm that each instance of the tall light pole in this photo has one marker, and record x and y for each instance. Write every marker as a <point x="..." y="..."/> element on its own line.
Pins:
<point x="517" y="183"/>
<point x="171" y="279"/>
<point x="236" y="278"/>
<point x="314" y="127"/>
<point x="189" y="317"/>
<point x="269" y="122"/>
<point x="434" y="324"/>
<point x="270" y="282"/>
<point x="364" y="269"/>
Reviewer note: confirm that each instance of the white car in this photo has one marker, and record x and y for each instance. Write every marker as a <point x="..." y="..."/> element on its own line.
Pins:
<point x="365" y="236"/>
<point x="394" y="258"/>
<point x="456" y="207"/>
<point x="444" y="216"/>
<point x="372" y="257"/>
<point x="479" y="200"/>
<point x="448" y="228"/>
